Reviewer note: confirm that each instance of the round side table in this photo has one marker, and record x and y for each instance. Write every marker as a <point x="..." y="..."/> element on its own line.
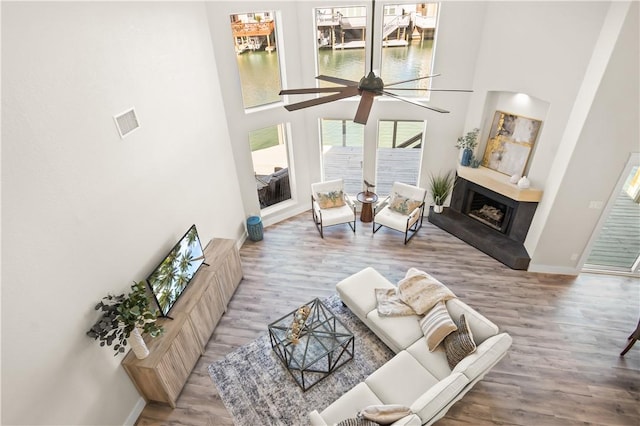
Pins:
<point x="367" y="199"/>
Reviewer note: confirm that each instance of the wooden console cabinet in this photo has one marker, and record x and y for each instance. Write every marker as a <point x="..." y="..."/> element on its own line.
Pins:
<point x="162" y="375"/>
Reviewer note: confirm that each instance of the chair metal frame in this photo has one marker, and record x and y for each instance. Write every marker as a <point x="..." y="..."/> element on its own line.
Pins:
<point x="410" y="230"/>
<point x="317" y="218"/>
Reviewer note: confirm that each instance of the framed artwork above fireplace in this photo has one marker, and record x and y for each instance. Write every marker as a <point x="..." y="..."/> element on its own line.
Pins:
<point x="510" y="143"/>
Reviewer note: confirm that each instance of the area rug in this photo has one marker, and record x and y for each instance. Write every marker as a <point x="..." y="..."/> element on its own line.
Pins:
<point x="257" y="389"/>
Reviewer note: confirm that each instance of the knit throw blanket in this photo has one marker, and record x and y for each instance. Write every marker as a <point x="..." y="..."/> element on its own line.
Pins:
<point x="417" y="293"/>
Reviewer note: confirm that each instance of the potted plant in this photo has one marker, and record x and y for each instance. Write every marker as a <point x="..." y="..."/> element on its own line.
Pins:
<point x="124" y="319"/>
<point x="467" y="143"/>
<point x="440" y="187"/>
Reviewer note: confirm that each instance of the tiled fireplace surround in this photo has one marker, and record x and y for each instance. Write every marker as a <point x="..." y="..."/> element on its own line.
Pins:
<point x="500" y="235"/>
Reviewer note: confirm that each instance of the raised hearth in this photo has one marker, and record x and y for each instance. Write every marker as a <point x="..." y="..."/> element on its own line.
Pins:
<point x="490" y="214"/>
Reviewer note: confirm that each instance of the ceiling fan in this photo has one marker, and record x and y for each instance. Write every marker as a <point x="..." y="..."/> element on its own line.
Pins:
<point x="368" y="88"/>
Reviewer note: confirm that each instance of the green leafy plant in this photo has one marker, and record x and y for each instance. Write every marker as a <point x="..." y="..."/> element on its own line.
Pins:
<point x="441" y="186"/>
<point x="470" y="140"/>
<point x="121" y="314"/>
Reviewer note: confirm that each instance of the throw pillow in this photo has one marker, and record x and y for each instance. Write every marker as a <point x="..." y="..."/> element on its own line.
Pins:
<point x="390" y="305"/>
<point x="421" y="291"/>
<point x="385" y="414"/>
<point x="356" y="421"/>
<point x="402" y="204"/>
<point x="460" y="343"/>
<point x="327" y="200"/>
<point x="437" y="325"/>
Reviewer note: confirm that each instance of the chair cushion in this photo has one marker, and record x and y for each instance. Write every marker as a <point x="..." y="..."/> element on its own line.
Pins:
<point x="327" y="200"/>
<point x="349" y="404"/>
<point x="392" y="219"/>
<point x="401" y="380"/>
<point x="336" y="215"/>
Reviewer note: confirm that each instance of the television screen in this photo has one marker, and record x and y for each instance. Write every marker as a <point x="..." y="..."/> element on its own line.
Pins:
<point x="169" y="280"/>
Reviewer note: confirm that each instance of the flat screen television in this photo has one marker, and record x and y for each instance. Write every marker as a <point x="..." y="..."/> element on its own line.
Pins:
<point x="171" y="277"/>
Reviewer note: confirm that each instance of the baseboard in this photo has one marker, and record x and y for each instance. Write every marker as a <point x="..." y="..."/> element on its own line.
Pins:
<point x="550" y="269"/>
<point x="135" y="412"/>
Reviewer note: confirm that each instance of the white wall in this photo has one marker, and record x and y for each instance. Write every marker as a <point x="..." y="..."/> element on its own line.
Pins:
<point x="600" y="136"/>
<point x="85" y="213"/>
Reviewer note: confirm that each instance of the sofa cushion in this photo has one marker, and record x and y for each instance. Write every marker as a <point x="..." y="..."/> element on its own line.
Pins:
<point x="435" y="362"/>
<point x="349" y="404"/>
<point x="436" y="325"/>
<point x="397" y="332"/>
<point x="358" y="291"/>
<point x="480" y="326"/>
<point x="401" y="380"/>
<point x="487" y="354"/>
<point x="437" y="397"/>
<point x="460" y="343"/>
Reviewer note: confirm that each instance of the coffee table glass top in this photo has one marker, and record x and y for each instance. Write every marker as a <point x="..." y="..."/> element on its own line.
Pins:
<point x="324" y="344"/>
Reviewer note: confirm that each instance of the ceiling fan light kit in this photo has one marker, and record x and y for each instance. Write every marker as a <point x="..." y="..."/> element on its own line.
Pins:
<point x="368" y="88"/>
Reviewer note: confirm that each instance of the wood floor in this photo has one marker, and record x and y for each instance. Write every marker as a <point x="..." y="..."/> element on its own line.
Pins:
<point x="563" y="368"/>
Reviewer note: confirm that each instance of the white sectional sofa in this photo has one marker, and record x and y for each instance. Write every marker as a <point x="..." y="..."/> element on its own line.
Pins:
<point x="414" y="377"/>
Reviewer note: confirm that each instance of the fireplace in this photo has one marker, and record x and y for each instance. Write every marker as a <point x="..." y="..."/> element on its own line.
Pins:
<point x="488" y="211"/>
<point x="492" y="215"/>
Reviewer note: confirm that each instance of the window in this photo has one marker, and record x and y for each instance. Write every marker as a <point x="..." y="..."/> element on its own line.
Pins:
<point x="342" y="142"/>
<point x="399" y="153"/>
<point x="254" y="40"/>
<point x="408" y="37"/>
<point x="341" y="40"/>
<point x="270" y="164"/>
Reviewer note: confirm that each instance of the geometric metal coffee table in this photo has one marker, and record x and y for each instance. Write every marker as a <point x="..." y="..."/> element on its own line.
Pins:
<point x="324" y="344"/>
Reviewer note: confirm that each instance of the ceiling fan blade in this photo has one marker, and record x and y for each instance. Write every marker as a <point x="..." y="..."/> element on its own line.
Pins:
<point x="345" y="93"/>
<point x="364" y="107"/>
<point x="337" y="80"/>
<point x="393" y="95"/>
<point x="411" y="79"/>
<point x="310" y="90"/>
<point x="429" y="90"/>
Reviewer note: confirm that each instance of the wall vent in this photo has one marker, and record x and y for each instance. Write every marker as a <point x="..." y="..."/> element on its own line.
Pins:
<point x="126" y="122"/>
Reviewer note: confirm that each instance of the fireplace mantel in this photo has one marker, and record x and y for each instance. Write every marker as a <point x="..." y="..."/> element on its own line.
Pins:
<point x="499" y="183"/>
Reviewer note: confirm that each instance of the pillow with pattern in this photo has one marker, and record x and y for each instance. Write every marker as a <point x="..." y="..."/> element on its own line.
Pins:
<point x="437" y="325"/>
<point x="460" y="343"/>
<point x="402" y="204"/>
<point x="327" y="200"/>
<point x="357" y="422"/>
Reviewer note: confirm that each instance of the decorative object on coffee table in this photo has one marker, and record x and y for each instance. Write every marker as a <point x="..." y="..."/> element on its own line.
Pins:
<point x="322" y="344"/>
<point x="298" y="324"/>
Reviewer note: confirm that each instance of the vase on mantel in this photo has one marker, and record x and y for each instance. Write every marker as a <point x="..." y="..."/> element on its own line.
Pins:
<point x="138" y="344"/>
<point x="467" y="155"/>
